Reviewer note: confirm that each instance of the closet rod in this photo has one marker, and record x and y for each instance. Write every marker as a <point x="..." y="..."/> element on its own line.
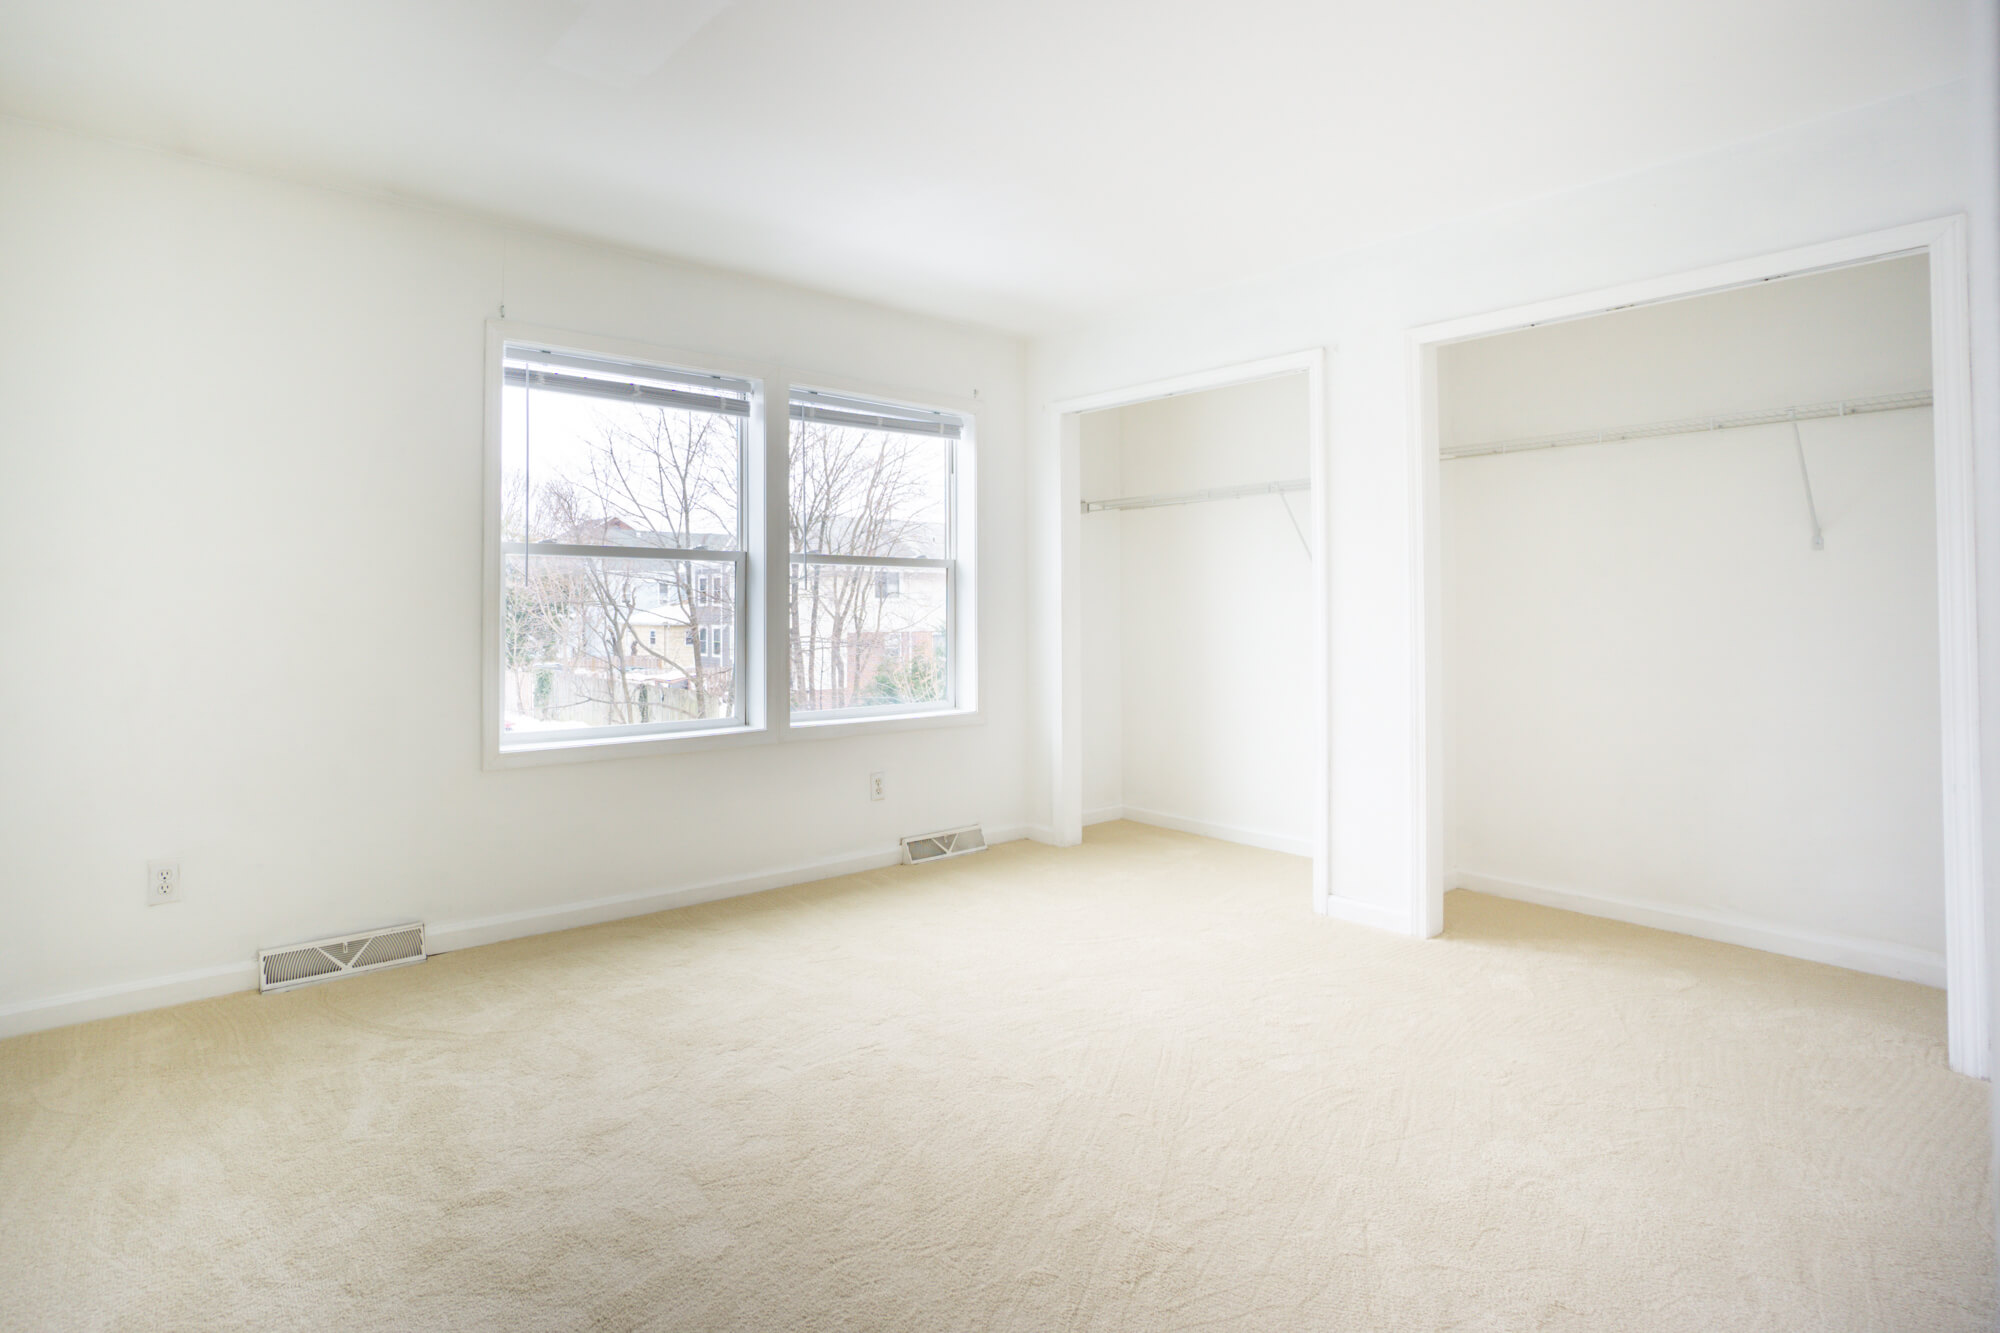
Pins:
<point x="1846" y="407"/>
<point x="1196" y="497"/>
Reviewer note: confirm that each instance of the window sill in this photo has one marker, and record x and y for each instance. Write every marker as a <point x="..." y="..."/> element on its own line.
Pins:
<point x="624" y="747"/>
<point x="835" y="727"/>
<point x="686" y="742"/>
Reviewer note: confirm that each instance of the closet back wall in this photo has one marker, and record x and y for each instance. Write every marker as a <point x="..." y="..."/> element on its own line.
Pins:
<point x="1198" y="618"/>
<point x="1657" y="691"/>
<point x="242" y="517"/>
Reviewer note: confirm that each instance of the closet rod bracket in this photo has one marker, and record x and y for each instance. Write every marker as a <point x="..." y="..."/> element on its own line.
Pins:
<point x="1805" y="476"/>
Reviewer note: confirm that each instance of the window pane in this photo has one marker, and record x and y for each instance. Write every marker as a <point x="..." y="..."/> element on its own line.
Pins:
<point x="869" y="492"/>
<point x="862" y="641"/>
<point x="582" y="469"/>
<point x="595" y="642"/>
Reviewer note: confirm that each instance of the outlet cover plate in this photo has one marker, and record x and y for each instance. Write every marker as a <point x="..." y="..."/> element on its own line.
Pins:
<point x="163" y="882"/>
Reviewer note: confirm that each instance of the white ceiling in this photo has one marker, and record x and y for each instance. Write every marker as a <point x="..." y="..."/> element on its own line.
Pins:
<point x="1019" y="163"/>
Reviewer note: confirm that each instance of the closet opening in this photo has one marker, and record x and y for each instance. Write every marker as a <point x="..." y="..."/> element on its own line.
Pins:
<point x="1696" y="644"/>
<point x="1194" y="654"/>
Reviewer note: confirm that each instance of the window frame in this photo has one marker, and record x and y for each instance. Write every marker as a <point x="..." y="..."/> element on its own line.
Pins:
<point x="960" y="702"/>
<point x="737" y="557"/>
<point x="760" y="642"/>
<point x="747" y="717"/>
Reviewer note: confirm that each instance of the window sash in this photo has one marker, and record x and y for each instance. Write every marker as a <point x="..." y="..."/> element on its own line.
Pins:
<point x="949" y="703"/>
<point x="738" y="682"/>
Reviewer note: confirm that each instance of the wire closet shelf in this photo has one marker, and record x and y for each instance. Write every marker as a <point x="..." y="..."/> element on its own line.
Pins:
<point x="1776" y="416"/>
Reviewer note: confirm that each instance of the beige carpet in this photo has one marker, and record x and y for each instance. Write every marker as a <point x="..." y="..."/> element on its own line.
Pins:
<point x="1134" y="1085"/>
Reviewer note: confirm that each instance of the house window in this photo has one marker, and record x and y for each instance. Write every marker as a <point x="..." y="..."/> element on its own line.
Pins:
<point x="620" y="485"/>
<point x="874" y="556"/>
<point x="715" y="641"/>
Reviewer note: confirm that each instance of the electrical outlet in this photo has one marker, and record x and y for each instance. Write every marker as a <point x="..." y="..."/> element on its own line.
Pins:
<point x="877" y="786"/>
<point x="163" y="882"/>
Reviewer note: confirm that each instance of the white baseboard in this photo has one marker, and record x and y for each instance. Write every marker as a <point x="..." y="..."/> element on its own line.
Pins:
<point x="1901" y="961"/>
<point x="1103" y="814"/>
<point x="1207" y="828"/>
<point x="126" y="997"/>
<point x="439" y="937"/>
<point x="448" y="935"/>
<point x="445" y="936"/>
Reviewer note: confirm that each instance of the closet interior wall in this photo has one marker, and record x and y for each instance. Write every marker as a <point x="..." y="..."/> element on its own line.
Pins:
<point x="1197" y="628"/>
<point x="1658" y="693"/>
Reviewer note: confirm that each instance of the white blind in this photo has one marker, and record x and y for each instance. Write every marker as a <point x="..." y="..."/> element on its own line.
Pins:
<point x="811" y="405"/>
<point x="625" y="381"/>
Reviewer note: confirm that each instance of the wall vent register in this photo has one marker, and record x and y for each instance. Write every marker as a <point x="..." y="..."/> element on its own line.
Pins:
<point x="340" y="956"/>
<point x="938" y="846"/>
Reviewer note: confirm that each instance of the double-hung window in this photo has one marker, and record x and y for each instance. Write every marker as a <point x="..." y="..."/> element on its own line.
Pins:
<point x="646" y="591"/>
<point x="875" y="568"/>
<point x="622" y="548"/>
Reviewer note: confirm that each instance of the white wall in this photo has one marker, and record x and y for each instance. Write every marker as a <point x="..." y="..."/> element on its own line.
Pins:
<point x="1883" y="165"/>
<point x="1208" y="670"/>
<point x="1657" y="691"/>
<point x="241" y="515"/>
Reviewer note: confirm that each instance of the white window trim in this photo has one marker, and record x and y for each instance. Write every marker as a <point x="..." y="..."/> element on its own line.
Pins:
<point x="763" y="588"/>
